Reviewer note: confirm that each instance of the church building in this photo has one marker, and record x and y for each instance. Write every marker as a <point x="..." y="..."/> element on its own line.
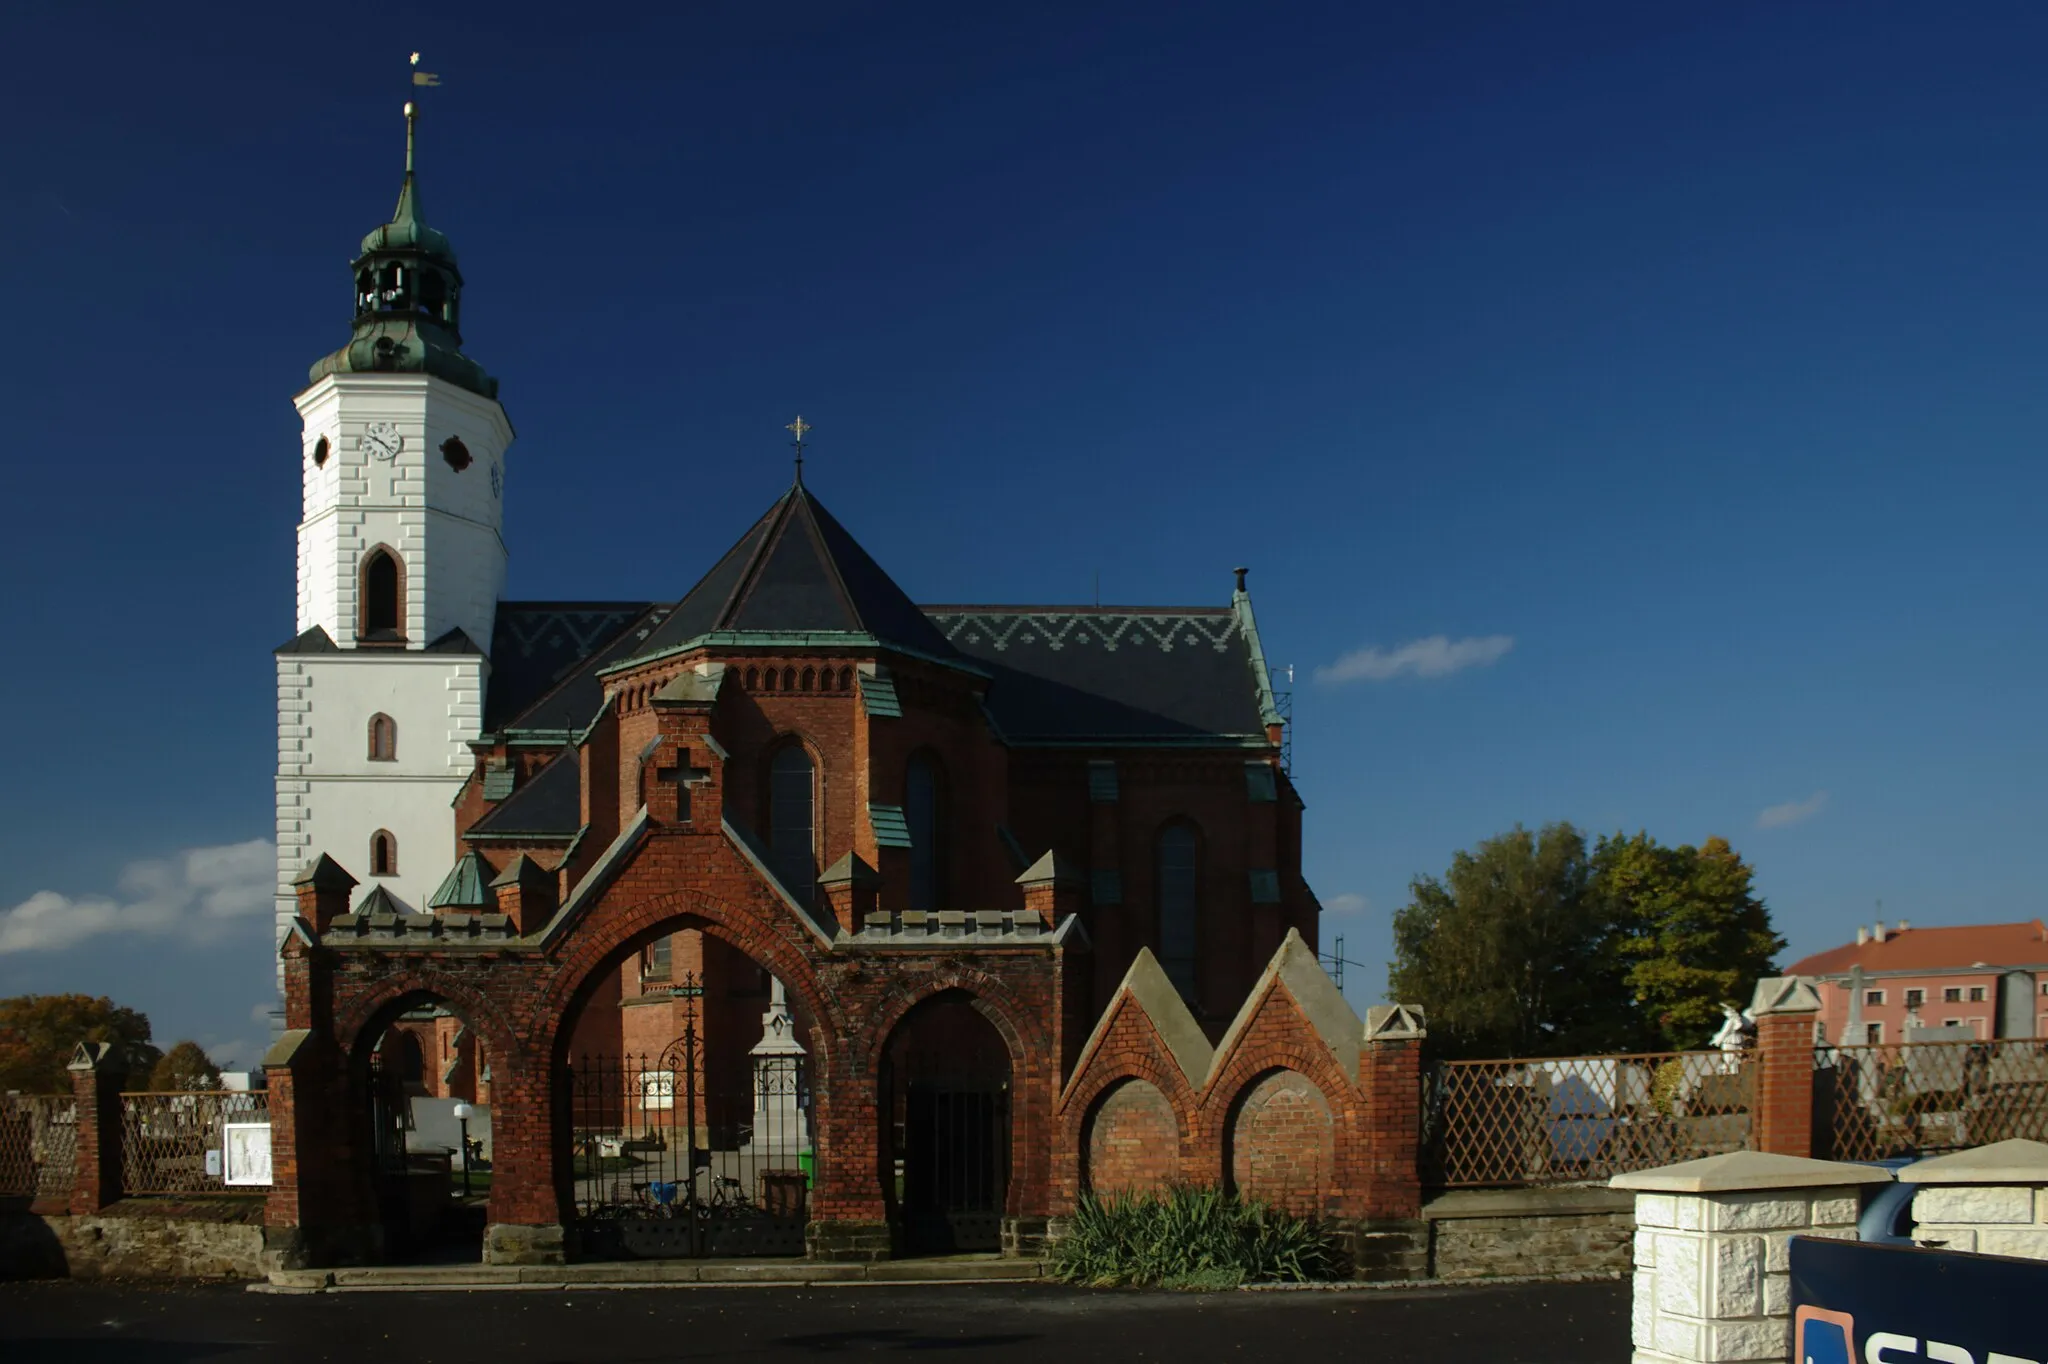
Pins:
<point x="769" y="802"/>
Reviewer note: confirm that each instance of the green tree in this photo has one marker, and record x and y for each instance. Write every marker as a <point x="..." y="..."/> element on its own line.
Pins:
<point x="1511" y="952"/>
<point x="1690" y="928"/>
<point x="39" y="1032"/>
<point x="185" y="1066"/>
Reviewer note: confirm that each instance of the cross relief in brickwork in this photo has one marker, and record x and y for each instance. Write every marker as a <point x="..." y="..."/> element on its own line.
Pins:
<point x="683" y="776"/>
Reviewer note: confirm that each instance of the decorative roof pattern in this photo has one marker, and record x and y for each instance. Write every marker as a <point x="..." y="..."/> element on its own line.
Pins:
<point x="545" y="657"/>
<point x="1112" y="674"/>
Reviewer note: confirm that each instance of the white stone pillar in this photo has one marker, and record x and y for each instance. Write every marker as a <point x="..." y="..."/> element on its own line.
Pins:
<point x="1712" y="1280"/>
<point x="780" y="1127"/>
<point x="1992" y="1200"/>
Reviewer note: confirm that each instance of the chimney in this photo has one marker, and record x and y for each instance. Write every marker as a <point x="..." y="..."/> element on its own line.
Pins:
<point x="1903" y="926"/>
<point x="1862" y="935"/>
<point x="1877" y="933"/>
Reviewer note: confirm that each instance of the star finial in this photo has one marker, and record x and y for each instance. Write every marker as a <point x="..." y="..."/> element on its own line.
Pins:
<point x="799" y="428"/>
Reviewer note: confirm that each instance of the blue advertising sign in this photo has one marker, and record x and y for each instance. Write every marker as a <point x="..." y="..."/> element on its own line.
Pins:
<point x="1855" y="1303"/>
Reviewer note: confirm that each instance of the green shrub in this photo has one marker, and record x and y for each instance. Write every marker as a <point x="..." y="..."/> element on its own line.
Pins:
<point x="1190" y="1238"/>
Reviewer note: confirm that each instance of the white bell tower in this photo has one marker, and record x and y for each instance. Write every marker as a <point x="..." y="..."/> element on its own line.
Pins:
<point x="400" y="566"/>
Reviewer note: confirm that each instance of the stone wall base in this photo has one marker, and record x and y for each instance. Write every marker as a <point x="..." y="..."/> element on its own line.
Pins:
<point x="1386" y="1250"/>
<point x="1489" y="1233"/>
<point x="850" y="1240"/>
<point x="124" y="1244"/>
<point x="321" y="1247"/>
<point x="1025" y="1238"/>
<point x="510" y="1243"/>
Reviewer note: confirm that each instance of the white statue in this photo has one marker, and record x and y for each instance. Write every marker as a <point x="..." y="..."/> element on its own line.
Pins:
<point x="1737" y="1027"/>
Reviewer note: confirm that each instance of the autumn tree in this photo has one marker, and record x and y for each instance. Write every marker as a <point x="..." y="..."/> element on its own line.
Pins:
<point x="38" y="1034"/>
<point x="185" y="1066"/>
<point x="1510" y="952"/>
<point x="1689" y="927"/>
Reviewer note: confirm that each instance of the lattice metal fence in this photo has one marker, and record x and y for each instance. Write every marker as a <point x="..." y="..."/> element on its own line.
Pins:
<point x="38" y="1145"/>
<point x="1908" y="1098"/>
<point x="1573" y="1119"/>
<point x="165" y="1138"/>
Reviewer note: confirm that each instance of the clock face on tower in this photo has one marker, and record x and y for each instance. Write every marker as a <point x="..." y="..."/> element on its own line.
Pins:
<point x="382" y="440"/>
<point x="497" y="482"/>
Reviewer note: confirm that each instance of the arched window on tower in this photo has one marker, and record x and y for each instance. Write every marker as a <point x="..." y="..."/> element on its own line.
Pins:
<point x="383" y="739"/>
<point x="924" y="812"/>
<point x="383" y="854"/>
<point x="382" y="592"/>
<point x="792" y="820"/>
<point x="1178" y="881"/>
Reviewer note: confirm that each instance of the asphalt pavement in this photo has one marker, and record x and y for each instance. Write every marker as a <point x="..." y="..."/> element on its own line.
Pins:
<point x="104" y="1323"/>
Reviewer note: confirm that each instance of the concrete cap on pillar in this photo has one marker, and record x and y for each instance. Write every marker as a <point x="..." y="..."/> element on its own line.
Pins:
<point x="2017" y="1161"/>
<point x="1052" y="869"/>
<point x="1784" y="995"/>
<point x="1748" y="1170"/>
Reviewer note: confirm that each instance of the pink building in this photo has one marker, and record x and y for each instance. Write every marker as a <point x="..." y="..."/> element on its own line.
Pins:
<point x="1989" y="978"/>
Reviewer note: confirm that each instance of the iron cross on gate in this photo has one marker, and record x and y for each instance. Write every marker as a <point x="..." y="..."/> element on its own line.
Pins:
<point x="683" y="776"/>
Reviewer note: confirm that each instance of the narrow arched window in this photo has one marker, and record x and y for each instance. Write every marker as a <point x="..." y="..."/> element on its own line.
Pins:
<point x="383" y="739"/>
<point x="383" y="854"/>
<point x="381" y="593"/>
<point x="768" y="680"/>
<point x="805" y="682"/>
<point x="846" y="679"/>
<point x="923" y="811"/>
<point x="753" y="679"/>
<point x="789" y="679"/>
<point x="792" y="820"/>
<point x="1178" y="881"/>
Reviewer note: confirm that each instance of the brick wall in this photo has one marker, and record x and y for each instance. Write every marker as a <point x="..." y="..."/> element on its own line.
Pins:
<point x="1132" y="1142"/>
<point x="1283" y="1148"/>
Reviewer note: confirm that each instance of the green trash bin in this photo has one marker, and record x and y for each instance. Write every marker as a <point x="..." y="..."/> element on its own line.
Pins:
<point x="807" y="1161"/>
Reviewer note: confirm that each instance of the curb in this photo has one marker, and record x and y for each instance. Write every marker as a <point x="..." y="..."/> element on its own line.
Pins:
<point x="646" y="1274"/>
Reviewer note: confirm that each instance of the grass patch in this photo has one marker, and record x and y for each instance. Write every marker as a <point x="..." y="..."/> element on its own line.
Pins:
<point x="1190" y="1238"/>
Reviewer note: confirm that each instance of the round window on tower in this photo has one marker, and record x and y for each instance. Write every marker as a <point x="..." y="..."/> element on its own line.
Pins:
<point x="321" y="449"/>
<point x="456" y="453"/>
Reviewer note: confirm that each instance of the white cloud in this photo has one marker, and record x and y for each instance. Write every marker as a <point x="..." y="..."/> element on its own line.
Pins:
<point x="1792" y="811"/>
<point x="1436" y="656"/>
<point x="1350" y="902"/>
<point x="196" y="896"/>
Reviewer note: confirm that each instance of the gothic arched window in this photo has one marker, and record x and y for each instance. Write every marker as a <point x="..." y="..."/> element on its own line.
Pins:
<point x="382" y="593"/>
<point x="792" y="820"/>
<point x="924" y="812"/>
<point x="383" y="739"/>
<point x="383" y="854"/>
<point x="1177" y="883"/>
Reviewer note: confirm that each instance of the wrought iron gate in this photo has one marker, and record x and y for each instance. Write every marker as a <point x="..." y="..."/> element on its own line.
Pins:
<point x="953" y="1168"/>
<point x="667" y="1165"/>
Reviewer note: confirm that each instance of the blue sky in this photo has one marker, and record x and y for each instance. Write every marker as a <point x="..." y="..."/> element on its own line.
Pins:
<point x="1679" y="367"/>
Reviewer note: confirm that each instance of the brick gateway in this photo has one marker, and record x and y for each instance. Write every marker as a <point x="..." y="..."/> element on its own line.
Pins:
<point x="962" y="1058"/>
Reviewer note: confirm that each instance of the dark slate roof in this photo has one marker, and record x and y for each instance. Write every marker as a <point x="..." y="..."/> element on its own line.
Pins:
<point x="1112" y="674"/>
<point x="549" y="805"/>
<point x="797" y="571"/>
<point x="314" y="640"/>
<point x="536" y="646"/>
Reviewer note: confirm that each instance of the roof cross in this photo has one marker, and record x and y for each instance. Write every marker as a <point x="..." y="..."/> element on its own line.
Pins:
<point x="799" y="427"/>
